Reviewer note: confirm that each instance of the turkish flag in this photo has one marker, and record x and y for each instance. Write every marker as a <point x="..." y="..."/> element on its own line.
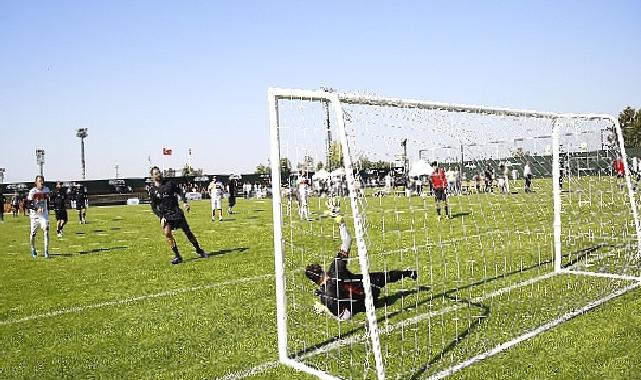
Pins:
<point x="166" y="152"/>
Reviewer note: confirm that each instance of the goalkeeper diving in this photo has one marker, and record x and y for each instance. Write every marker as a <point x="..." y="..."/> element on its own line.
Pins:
<point x="341" y="291"/>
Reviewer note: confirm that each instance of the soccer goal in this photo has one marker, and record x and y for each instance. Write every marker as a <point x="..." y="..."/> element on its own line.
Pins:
<point x="541" y="225"/>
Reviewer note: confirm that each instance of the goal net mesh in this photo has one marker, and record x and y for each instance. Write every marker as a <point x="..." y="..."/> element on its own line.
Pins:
<point x="486" y="267"/>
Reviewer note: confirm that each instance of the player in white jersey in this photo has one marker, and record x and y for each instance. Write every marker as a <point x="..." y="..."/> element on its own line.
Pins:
<point x="303" y="211"/>
<point x="38" y="204"/>
<point x="216" y="193"/>
<point x="527" y="173"/>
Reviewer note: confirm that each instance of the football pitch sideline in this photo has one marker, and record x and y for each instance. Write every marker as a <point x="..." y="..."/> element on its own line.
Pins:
<point x="108" y="304"/>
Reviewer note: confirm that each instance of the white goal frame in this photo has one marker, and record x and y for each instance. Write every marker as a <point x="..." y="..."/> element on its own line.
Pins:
<point x="334" y="100"/>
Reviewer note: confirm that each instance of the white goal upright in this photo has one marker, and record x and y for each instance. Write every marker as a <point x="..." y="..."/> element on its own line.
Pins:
<point x="541" y="225"/>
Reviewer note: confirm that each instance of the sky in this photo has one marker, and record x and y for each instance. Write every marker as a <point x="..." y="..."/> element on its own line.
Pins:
<point x="143" y="75"/>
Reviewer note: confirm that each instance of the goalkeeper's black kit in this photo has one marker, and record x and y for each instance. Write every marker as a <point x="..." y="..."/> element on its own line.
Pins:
<point x="344" y="290"/>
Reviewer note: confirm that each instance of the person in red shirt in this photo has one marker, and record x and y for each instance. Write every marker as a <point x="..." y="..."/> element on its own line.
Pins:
<point x="439" y="184"/>
<point x="619" y="169"/>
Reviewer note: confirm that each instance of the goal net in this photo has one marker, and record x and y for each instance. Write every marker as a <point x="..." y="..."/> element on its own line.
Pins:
<point x="537" y="225"/>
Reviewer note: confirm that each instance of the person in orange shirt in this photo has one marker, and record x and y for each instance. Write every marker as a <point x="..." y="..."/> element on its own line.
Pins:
<point x="619" y="169"/>
<point x="439" y="184"/>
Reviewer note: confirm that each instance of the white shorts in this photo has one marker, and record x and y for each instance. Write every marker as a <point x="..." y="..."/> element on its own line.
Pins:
<point x="216" y="204"/>
<point x="41" y="223"/>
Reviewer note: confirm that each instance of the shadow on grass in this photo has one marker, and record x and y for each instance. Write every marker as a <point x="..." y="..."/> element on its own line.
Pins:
<point x="228" y="250"/>
<point x="459" y="337"/>
<point x="61" y="254"/>
<point x="454" y="295"/>
<point x="391" y="299"/>
<point x="218" y="253"/>
<point x="582" y="253"/>
<point x="98" y="250"/>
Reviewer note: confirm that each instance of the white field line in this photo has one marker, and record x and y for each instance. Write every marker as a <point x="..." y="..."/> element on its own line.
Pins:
<point x="414" y="320"/>
<point x="504" y="346"/>
<point x="250" y="372"/>
<point x="385" y="330"/>
<point x="167" y="293"/>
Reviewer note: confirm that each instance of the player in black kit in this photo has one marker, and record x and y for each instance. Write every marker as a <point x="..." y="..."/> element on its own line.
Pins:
<point x="59" y="200"/>
<point x="342" y="291"/>
<point x="2" y="200"/>
<point x="164" y="203"/>
<point x="81" y="203"/>
<point x="232" y="195"/>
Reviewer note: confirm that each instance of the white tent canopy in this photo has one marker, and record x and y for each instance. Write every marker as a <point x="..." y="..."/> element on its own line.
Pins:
<point x="339" y="172"/>
<point x="321" y="174"/>
<point x="420" y="168"/>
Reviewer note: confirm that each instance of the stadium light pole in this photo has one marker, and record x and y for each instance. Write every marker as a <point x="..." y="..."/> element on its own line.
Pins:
<point x="2" y="175"/>
<point x="82" y="133"/>
<point x="117" y="167"/>
<point x="405" y="160"/>
<point x="328" y="143"/>
<point x="40" y="160"/>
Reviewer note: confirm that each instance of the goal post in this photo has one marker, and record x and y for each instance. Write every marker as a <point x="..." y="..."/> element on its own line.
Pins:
<point x="567" y="127"/>
<point x="538" y="224"/>
<point x="332" y="99"/>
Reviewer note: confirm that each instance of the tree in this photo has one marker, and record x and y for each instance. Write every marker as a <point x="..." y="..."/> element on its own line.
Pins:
<point x="262" y="169"/>
<point x="335" y="155"/>
<point x="319" y="166"/>
<point x="363" y="163"/>
<point x="381" y="165"/>
<point x="630" y="121"/>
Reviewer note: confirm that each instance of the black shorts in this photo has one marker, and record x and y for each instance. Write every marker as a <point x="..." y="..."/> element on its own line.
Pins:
<point x="178" y="223"/>
<point x="232" y="201"/>
<point x="80" y="205"/>
<point x="62" y="215"/>
<point x="440" y="194"/>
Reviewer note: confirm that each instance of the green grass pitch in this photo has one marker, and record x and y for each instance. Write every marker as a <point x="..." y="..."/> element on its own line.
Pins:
<point x="109" y="305"/>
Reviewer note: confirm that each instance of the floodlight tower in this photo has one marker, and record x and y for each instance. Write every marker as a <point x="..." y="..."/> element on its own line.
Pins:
<point x="406" y="165"/>
<point x="117" y="167"/>
<point x="40" y="159"/>
<point x="2" y="175"/>
<point x="328" y="141"/>
<point x="82" y="133"/>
